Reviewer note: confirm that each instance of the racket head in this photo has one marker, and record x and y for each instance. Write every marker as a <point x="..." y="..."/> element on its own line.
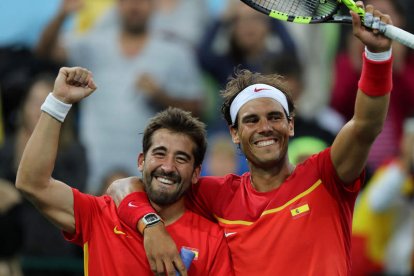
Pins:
<point x="298" y="11"/>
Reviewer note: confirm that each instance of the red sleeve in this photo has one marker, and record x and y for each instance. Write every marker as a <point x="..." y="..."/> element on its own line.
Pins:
<point x="332" y="181"/>
<point x="84" y="207"/>
<point x="133" y="207"/>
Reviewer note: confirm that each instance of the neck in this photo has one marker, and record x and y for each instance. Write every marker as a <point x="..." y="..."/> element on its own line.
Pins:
<point x="131" y="44"/>
<point x="264" y="180"/>
<point x="170" y="213"/>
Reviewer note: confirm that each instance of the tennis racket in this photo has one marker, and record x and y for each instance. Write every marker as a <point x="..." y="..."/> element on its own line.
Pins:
<point x="326" y="11"/>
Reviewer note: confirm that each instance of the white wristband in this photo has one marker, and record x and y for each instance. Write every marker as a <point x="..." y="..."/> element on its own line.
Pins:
<point x="383" y="56"/>
<point x="55" y="108"/>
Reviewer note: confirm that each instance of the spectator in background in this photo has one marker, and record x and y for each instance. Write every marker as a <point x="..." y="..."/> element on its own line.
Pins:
<point x="221" y="157"/>
<point x="41" y="240"/>
<point x="138" y="72"/>
<point x="111" y="176"/>
<point x="347" y="71"/>
<point x="241" y="37"/>
<point x="324" y="123"/>
<point x="383" y="225"/>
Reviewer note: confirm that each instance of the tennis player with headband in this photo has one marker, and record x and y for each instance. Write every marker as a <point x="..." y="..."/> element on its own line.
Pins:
<point x="280" y="219"/>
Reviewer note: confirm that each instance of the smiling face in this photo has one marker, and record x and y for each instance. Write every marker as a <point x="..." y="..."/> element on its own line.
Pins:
<point x="168" y="166"/>
<point x="263" y="132"/>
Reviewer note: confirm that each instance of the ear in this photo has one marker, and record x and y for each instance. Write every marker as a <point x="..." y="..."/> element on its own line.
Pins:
<point x="234" y="136"/>
<point x="292" y="126"/>
<point x="196" y="175"/>
<point x="141" y="162"/>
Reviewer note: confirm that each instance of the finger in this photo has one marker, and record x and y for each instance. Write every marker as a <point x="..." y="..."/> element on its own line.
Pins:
<point x="83" y="77"/>
<point x="91" y="83"/>
<point x="356" y="21"/>
<point x="70" y="75"/>
<point x="159" y="270"/>
<point x="369" y="8"/>
<point x="169" y="268"/>
<point x="153" y="265"/>
<point x="179" y="266"/>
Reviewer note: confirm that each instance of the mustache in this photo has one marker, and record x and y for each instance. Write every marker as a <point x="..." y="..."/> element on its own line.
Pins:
<point x="170" y="175"/>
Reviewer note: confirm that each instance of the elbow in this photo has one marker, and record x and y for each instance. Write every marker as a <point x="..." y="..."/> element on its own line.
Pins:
<point x="22" y="182"/>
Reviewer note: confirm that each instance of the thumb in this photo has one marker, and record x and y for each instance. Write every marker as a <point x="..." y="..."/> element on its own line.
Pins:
<point x="90" y="87"/>
<point x="356" y="20"/>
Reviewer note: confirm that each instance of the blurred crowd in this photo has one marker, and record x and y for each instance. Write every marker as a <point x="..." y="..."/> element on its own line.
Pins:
<point x="150" y="54"/>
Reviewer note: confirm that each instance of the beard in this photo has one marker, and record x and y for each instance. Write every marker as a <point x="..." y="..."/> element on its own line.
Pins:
<point x="161" y="196"/>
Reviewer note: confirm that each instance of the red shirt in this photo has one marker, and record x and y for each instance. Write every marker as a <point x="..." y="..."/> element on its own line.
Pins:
<point x="301" y="228"/>
<point x="112" y="248"/>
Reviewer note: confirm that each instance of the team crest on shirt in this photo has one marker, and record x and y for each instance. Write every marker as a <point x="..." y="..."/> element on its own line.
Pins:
<point x="194" y="250"/>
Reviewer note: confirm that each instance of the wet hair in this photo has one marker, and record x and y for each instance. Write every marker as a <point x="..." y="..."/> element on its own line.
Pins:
<point x="178" y="121"/>
<point x="244" y="78"/>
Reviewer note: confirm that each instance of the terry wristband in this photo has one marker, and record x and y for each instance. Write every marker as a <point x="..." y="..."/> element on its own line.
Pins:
<point x="133" y="207"/>
<point x="55" y="108"/>
<point x="376" y="75"/>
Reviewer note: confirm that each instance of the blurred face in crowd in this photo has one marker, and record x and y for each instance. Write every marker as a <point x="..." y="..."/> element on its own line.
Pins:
<point x="168" y="167"/>
<point x="31" y="107"/>
<point x="250" y="28"/>
<point x="135" y="14"/>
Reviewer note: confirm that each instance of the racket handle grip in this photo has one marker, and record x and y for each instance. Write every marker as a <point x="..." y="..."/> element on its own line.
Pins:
<point x="399" y="35"/>
<point x="187" y="257"/>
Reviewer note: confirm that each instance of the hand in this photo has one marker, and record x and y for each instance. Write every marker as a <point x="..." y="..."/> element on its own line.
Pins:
<point x="162" y="252"/>
<point x="73" y="84"/>
<point x="372" y="38"/>
<point x="120" y="188"/>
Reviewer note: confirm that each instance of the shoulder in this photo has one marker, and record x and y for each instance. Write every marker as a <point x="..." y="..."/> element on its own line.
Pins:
<point x="224" y="181"/>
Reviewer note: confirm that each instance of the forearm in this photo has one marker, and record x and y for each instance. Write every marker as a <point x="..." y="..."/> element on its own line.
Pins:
<point x="373" y="95"/>
<point x="36" y="166"/>
<point x="48" y="40"/>
<point x="352" y="145"/>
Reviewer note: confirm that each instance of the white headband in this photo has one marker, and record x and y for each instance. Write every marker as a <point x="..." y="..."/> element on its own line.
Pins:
<point x="256" y="91"/>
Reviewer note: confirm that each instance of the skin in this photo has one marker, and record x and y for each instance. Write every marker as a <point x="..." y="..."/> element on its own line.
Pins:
<point x="262" y="121"/>
<point x="170" y="153"/>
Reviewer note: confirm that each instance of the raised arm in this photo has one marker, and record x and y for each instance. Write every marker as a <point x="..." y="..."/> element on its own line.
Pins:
<point x="352" y="145"/>
<point x="53" y="198"/>
<point x="48" y="46"/>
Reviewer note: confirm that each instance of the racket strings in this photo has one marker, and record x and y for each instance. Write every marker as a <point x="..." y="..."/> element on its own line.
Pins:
<point x="293" y="7"/>
<point x="313" y="8"/>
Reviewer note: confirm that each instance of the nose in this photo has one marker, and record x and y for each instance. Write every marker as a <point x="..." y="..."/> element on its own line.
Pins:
<point x="168" y="164"/>
<point x="264" y="126"/>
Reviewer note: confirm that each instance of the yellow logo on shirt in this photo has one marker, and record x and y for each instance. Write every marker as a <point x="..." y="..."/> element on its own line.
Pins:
<point x="118" y="232"/>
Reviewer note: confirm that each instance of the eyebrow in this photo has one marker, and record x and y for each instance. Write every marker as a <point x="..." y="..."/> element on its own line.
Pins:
<point x="176" y="153"/>
<point x="249" y="116"/>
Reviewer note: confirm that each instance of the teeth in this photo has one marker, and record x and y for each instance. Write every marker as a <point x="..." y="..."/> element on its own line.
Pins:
<point x="265" y="143"/>
<point x="165" y="180"/>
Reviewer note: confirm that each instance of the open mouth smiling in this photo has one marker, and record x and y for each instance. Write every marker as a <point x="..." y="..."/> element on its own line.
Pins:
<point x="265" y="143"/>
